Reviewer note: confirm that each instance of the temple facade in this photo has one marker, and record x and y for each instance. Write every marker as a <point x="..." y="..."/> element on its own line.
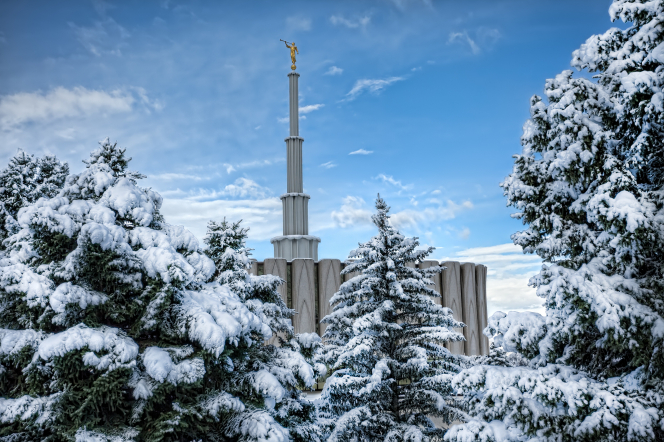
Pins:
<point x="310" y="282"/>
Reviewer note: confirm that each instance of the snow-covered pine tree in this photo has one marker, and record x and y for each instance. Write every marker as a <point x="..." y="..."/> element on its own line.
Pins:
<point x="226" y="243"/>
<point x="586" y="186"/>
<point x="385" y="345"/>
<point x="113" y="332"/>
<point x="23" y="182"/>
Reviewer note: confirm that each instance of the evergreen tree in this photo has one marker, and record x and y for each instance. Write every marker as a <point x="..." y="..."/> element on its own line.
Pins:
<point x="385" y="345"/>
<point x="23" y="182"/>
<point x="113" y="329"/>
<point x="586" y="185"/>
<point x="226" y="243"/>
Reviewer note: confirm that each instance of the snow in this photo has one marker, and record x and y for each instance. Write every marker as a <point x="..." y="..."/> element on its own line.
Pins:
<point x="13" y="341"/>
<point x="121" y="349"/>
<point x="107" y="236"/>
<point x="222" y="402"/>
<point x="554" y="392"/>
<point x="267" y="385"/>
<point x="69" y="293"/>
<point x="517" y="331"/>
<point x="159" y="365"/>
<point x="128" y="435"/>
<point x="214" y="316"/>
<point x="27" y="407"/>
<point x="18" y="278"/>
<point x="129" y="201"/>
<point x="260" y="427"/>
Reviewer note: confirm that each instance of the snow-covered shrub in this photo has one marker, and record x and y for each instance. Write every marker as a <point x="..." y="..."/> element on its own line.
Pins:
<point x="385" y="345"/>
<point x="115" y="329"/>
<point x="24" y="181"/>
<point x="588" y="188"/>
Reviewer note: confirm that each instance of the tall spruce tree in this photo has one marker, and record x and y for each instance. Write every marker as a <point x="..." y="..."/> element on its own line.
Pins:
<point x="385" y="345"/>
<point x="23" y="182"/>
<point x="226" y="243"/>
<point x="587" y="185"/>
<point x="114" y="329"/>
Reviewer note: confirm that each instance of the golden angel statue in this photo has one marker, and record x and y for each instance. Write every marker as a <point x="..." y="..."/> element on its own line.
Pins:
<point x="293" y="50"/>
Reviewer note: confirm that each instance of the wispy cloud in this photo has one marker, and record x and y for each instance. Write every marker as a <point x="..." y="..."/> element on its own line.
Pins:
<point x="352" y="213"/>
<point x="328" y="165"/>
<point x="298" y="23"/>
<point x="374" y="86"/>
<point x="105" y="37"/>
<point x="509" y="270"/>
<point x="354" y="23"/>
<point x="178" y="176"/>
<point x="334" y="71"/>
<point x="250" y="164"/>
<point x="361" y="152"/>
<point x="464" y="233"/>
<point x="263" y="216"/>
<point x="246" y="188"/>
<point x="483" y="38"/>
<point x="60" y="103"/>
<point x="310" y="108"/>
<point x="465" y="38"/>
<point x="417" y="219"/>
<point x="390" y="180"/>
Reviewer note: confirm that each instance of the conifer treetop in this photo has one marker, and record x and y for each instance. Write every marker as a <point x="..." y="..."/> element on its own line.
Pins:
<point x="385" y="344"/>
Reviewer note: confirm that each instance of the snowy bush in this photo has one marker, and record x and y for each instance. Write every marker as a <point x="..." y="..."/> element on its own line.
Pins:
<point x="117" y="327"/>
<point x="588" y="186"/>
<point x="23" y="182"/>
<point x="385" y="345"/>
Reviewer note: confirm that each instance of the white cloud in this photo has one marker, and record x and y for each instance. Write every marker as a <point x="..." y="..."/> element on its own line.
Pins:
<point x="178" y="176"/>
<point x="328" y="165"/>
<point x="310" y="108"/>
<point x="465" y="233"/>
<point x="359" y="22"/>
<point x="353" y="213"/>
<point x="484" y="38"/>
<point x="246" y="188"/>
<point x="436" y="192"/>
<point x="298" y="23"/>
<point x="389" y="179"/>
<point x="428" y="215"/>
<point x="250" y="164"/>
<point x="334" y="71"/>
<point x="59" y="103"/>
<point x="464" y="37"/>
<point x="262" y="216"/>
<point x="103" y="38"/>
<point x="361" y="152"/>
<point x="373" y="86"/>
<point x="507" y="277"/>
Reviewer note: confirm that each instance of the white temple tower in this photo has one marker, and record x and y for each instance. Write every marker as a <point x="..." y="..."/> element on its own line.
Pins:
<point x="295" y="241"/>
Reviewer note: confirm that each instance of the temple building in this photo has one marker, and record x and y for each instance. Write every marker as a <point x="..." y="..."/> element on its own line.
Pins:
<point x="310" y="282"/>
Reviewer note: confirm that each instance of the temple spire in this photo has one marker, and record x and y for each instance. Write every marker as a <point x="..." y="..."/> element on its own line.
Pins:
<point x="295" y="242"/>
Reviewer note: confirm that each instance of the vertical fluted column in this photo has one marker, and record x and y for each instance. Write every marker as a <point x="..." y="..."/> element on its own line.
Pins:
<point x="451" y="286"/>
<point x="293" y="104"/>
<point x="470" y="316"/>
<point x="480" y="290"/>
<point x="294" y="142"/>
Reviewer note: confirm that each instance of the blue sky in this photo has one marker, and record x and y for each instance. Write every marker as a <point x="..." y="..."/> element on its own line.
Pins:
<point x="430" y="95"/>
